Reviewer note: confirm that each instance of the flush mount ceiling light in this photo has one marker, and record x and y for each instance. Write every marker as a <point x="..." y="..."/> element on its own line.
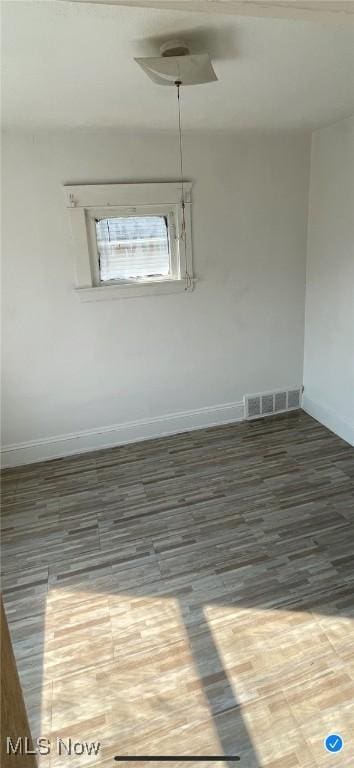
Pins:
<point x="177" y="64"/>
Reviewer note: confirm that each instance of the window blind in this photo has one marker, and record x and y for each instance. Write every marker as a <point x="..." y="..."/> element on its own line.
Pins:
<point x="133" y="247"/>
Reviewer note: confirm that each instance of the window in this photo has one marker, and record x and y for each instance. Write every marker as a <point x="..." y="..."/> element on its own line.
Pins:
<point x="133" y="248"/>
<point x="124" y="250"/>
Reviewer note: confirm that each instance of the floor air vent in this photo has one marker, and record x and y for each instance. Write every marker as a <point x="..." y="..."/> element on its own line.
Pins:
<point x="267" y="403"/>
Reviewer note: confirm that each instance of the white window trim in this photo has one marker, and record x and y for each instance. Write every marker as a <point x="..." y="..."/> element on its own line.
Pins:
<point x="84" y="202"/>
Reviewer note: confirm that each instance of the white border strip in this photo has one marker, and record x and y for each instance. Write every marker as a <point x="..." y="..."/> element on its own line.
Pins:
<point x="328" y="419"/>
<point x="119" y="434"/>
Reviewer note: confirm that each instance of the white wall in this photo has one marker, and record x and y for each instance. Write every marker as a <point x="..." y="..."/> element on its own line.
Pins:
<point x="70" y="366"/>
<point x="329" y="335"/>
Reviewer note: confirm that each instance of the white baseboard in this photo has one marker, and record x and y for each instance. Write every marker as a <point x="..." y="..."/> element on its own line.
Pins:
<point x="119" y="434"/>
<point x="328" y="419"/>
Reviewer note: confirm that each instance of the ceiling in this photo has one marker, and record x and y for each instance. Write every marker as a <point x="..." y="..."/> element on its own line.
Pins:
<point x="71" y="64"/>
<point x="297" y="9"/>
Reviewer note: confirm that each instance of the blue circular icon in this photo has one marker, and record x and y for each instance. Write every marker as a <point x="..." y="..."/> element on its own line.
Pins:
<point x="333" y="743"/>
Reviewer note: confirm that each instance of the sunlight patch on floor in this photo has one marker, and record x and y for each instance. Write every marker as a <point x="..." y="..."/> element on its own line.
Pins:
<point x="307" y="658"/>
<point x="123" y="672"/>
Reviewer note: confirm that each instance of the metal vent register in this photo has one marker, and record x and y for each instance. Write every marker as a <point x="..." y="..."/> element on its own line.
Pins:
<point x="267" y="403"/>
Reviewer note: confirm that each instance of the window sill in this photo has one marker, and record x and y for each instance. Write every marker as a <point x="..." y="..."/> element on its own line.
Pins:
<point x="129" y="291"/>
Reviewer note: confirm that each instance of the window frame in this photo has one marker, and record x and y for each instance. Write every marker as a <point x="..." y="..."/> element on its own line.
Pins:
<point x="85" y="203"/>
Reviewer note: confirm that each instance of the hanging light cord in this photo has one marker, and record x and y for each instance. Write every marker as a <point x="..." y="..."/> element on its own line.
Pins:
<point x="187" y="278"/>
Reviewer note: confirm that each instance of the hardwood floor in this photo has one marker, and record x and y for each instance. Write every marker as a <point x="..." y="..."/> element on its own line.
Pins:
<point x="14" y="718"/>
<point x="188" y="595"/>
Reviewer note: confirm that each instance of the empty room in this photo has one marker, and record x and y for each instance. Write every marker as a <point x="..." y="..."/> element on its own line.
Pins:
<point x="177" y="421"/>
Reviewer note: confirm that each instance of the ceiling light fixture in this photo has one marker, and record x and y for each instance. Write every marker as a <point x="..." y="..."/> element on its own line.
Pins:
<point x="177" y="66"/>
<point x="177" y="63"/>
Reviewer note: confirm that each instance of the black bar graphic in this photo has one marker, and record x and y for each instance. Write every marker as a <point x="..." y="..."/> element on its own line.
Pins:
<point x="178" y="758"/>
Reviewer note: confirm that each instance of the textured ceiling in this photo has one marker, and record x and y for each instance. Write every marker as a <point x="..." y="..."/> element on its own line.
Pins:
<point x="71" y="64"/>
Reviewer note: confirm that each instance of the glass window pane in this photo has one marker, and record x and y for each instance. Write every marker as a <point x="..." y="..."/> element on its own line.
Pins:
<point x="133" y="247"/>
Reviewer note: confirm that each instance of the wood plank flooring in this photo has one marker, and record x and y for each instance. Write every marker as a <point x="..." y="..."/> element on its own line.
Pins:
<point x="188" y="595"/>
